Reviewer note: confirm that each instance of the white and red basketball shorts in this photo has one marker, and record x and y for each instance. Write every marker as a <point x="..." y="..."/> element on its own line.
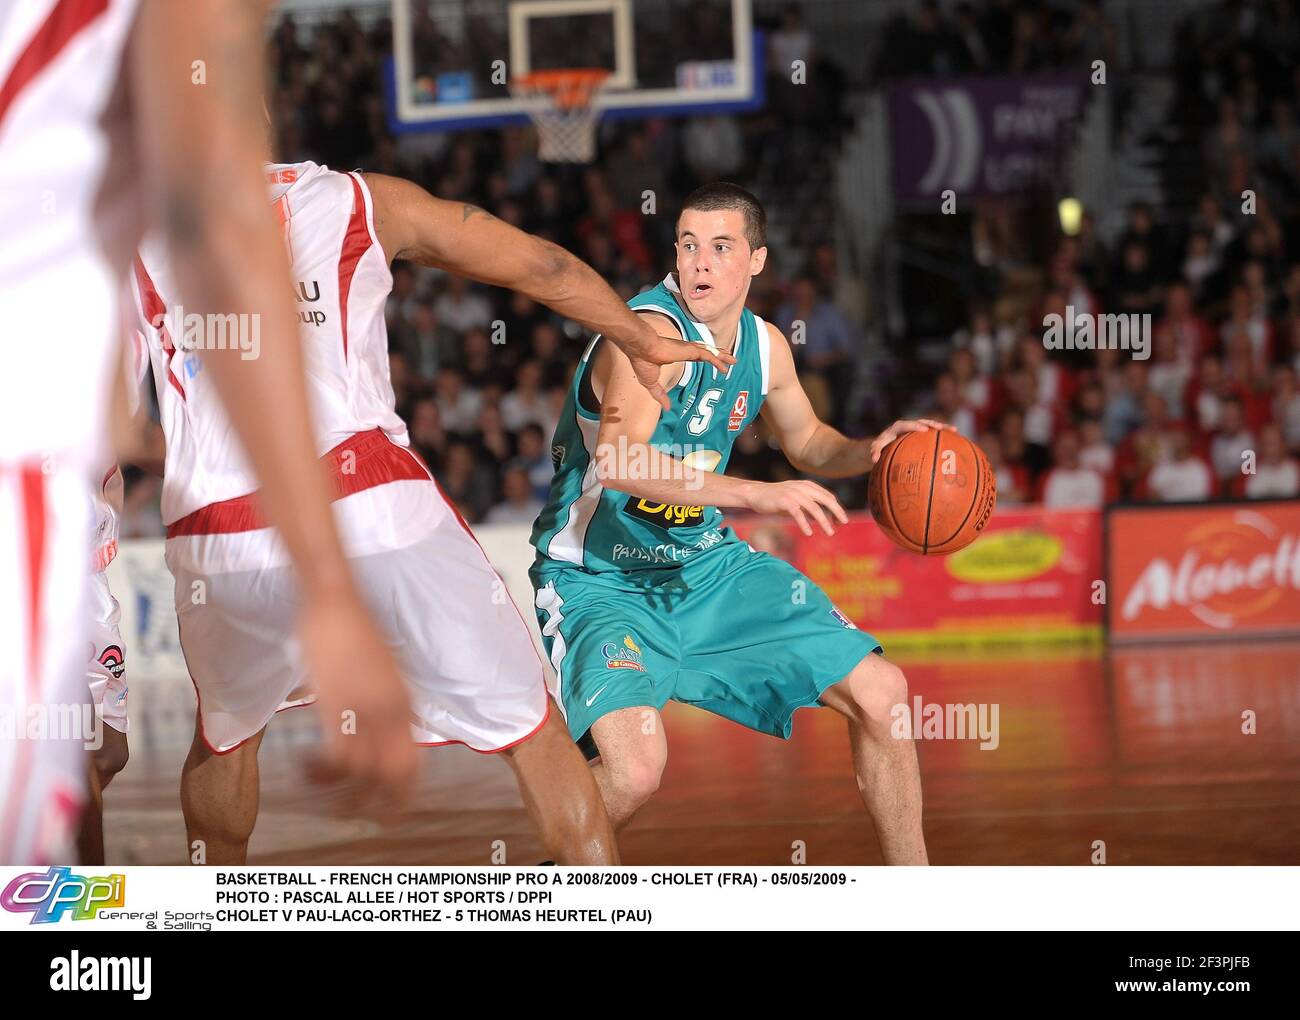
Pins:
<point x="46" y="722"/>
<point x="106" y="670"/>
<point x="472" y="672"/>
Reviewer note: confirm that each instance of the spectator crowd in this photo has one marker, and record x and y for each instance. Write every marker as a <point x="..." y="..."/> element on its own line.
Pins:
<point x="1213" y="411"/>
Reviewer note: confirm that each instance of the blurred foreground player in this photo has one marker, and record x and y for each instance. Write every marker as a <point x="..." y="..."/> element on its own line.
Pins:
<point x="644" y="595"/>
<point x="473" y="673"/>
<point x="104" y="124"/>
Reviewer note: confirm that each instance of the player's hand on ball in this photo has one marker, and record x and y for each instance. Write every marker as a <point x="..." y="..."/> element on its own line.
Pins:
<point x="648" y="352"/>
<point x="799" y="499"/>
<point x="901" y="428"/>
<point x="363" y="705"/>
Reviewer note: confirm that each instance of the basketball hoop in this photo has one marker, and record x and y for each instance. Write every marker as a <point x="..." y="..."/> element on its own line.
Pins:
<point x="565" y="118"/>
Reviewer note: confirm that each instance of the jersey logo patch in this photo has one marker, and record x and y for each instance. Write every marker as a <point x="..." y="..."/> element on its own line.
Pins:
<point x="112" y="659"/>
<point x="843" y="619"/>
<point x="309" y="316"/>
<point x="738" y="411"/>
<point x="666" y="515"/>
<point x="624" y="656"/>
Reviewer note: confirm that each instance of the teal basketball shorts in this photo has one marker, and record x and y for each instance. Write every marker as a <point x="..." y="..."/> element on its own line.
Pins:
<point x="735" y="632"/>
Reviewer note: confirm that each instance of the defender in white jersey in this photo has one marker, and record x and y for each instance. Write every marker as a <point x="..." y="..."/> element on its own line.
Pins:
<point x="472" y="672"/>
<point x="100" y="127"/>
<point x="105" y="669"/>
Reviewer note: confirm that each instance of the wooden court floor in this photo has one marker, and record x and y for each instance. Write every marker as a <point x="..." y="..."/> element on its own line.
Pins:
<point x="1141" y="749"/>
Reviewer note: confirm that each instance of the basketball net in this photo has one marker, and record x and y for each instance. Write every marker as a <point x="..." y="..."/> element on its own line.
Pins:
<point x="565" y="119"/>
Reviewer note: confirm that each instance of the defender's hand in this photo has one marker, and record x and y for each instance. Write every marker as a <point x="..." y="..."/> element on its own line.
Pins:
<point x="648" y="351"/>
<point x="901" y="428"/>
<point x="799" y="499"/>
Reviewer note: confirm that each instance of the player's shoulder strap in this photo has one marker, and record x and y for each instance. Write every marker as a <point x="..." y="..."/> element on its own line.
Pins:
<point x="662" y="299"/>
<point x="281" y="177"/>
<point x="307" y="185"/>
<point x="763" y="340"/>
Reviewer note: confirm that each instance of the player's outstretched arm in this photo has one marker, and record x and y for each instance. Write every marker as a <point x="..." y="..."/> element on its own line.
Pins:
<point x="466" y="240"/>
<point x="625" y="461"/>
<point x="811" y="445"/>
<point x="195" y="78"/>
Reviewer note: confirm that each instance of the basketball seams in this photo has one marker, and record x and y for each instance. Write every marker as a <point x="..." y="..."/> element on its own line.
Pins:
<point x="929" y="503"/>
<point x="898" y="526"/>
<point x="886" y="502"/>
<point x="975" y="501"/>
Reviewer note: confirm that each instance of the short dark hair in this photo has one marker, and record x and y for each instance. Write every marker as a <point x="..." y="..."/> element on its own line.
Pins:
<point x="723" y="195"/>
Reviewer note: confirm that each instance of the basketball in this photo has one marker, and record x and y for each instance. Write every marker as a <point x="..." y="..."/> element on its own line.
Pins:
<point x="932" y="492"/>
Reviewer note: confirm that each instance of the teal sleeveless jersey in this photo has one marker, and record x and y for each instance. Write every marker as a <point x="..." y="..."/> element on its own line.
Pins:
<point x="586" y="525"/>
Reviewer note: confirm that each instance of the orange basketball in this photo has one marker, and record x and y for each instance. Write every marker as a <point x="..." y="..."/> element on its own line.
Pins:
<point x="932" y="492"/>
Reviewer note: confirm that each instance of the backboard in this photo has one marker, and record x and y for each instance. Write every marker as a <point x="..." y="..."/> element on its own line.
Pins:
<point x="454" y="60"/>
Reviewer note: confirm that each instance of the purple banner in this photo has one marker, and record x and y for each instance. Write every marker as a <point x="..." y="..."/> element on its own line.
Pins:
<point x="981" y="135"/>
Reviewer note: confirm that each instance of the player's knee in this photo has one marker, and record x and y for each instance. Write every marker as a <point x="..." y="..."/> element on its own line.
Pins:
<point x="110" y="758"/>
<point x="875" y="688"/>
<point x="637" y="776"/>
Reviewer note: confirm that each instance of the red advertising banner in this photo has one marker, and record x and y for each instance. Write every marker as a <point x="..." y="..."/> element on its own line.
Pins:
<point x="1031" y="575"/>
<point x="1230" y="569"/>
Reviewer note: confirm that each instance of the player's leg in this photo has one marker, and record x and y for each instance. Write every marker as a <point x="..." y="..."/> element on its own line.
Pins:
<point x="633" y="753"/>
<point x="561" y="796"/>
<point x="219" y="798"/>
<point x="104" y="763"/>
<point x="110" y="757"/>
<point x="615" y="662"/>
<point x="800" y="652"/>
<point x="105" y="676"/>
<point x="472" y="671"/>
<point x="885" y="765"/>
<point x="236" y="632"/>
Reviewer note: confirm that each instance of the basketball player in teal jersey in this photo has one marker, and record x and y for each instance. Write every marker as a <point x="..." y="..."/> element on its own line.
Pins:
<point x="644" y="595"/>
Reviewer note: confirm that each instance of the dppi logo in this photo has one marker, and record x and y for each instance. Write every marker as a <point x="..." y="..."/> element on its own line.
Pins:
<point x="47" y="897"/>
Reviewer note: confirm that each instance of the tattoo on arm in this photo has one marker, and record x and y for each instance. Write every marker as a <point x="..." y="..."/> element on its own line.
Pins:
<point x="469" y="210"/>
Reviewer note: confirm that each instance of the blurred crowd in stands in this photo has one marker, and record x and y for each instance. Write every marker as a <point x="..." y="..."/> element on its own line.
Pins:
<point x="480" y="374"/>
<point x="1214" y="410"/>
<point x="1003" y="36"/>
